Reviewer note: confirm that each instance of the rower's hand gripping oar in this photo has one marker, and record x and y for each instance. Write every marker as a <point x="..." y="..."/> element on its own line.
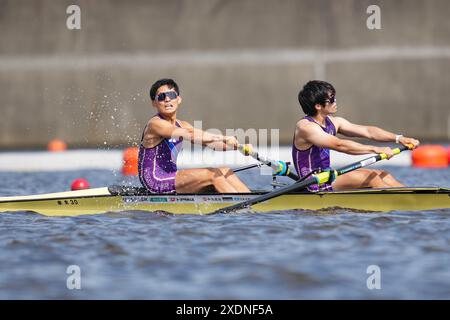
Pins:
<point x="280" y="168"/>
<point x="319" y="178"/>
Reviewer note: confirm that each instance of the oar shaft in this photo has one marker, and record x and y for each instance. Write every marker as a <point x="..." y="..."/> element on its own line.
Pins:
<point x="323" y="177"/>
<point x="369" y="161"/>
<point x="293" y="187"/>
<point x="250" y="166"/>
<point x="268" y="162"/>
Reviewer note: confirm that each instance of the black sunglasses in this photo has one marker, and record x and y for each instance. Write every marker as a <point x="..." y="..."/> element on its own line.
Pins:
<point x="162" y="96"/>
<point x="331" y="100"/>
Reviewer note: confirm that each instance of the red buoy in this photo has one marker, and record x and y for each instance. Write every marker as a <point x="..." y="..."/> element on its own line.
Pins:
<point x="80" y="184"/>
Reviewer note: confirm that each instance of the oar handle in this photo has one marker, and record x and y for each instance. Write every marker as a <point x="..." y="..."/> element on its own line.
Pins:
<point x="396" y="151"/>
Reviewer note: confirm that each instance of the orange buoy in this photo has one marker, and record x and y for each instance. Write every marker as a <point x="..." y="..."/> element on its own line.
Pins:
<point x="80" y="184"/>
<point x="56" y="145"/>
<point x="430" y="156"/>
<point x="130" y="161"/>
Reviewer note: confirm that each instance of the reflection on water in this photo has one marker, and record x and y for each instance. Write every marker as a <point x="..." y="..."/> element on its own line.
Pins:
<point x="279" y="255"/>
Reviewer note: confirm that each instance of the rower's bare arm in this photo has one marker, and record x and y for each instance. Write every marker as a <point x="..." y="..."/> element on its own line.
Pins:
<point x="212" y="141"/>
<point x="313" y="134"/>
<point x="349" y="129"/>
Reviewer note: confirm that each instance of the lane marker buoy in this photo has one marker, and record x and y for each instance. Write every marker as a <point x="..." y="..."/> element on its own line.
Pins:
<point x="80" y="184"/>
<point x="130" y="161"/>
<point x="430" y="156"/>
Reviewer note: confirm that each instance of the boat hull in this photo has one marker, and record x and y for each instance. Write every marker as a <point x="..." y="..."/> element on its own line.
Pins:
<point x="101" y="200"/>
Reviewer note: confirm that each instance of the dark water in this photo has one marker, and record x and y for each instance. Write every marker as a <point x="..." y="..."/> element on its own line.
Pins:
<point x="285" y="255"/>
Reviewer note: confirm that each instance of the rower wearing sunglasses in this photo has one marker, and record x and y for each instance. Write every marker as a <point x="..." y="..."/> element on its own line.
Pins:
<point x="315" y="135"/>
<point x="162" y="141"/>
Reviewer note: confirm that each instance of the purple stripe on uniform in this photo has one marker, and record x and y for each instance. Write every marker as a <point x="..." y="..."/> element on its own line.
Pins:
<point x="314" y="158"/>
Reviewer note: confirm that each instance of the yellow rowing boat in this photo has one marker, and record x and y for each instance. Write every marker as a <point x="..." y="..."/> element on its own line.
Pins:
<point x="118" y="198"/>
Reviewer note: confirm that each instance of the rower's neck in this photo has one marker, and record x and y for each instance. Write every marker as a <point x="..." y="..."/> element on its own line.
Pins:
<point x="171" y="118"/>
<point x="320" y="119"/>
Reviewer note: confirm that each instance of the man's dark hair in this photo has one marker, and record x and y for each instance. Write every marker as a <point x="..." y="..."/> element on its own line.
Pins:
<point x="163" y="82"/>
<point x="314" y="92"/>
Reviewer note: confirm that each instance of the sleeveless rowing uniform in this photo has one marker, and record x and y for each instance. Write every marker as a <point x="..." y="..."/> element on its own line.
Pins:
<point x="157" y="166"/>
<point x="314" y="158"/>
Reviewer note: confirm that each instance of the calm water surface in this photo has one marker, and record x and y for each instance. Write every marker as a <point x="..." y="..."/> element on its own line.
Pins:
<point x="280" y="255"/>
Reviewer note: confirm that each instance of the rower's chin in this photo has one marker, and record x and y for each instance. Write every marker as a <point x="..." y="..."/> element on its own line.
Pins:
<point x="169" y="110"/>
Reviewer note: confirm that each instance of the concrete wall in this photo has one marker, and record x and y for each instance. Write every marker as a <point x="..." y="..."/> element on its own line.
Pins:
<point x="240" y="64"/>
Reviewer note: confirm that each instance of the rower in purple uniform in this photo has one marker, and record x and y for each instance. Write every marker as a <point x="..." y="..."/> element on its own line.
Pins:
<point x="162" y="141"/>
<point x="315" y="135"/>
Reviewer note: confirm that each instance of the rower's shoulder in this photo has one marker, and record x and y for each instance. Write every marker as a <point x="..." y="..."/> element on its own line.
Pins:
<point x="154" y="119"/>
<point x="303" y="129"/>
<point x="304" y="124"/>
